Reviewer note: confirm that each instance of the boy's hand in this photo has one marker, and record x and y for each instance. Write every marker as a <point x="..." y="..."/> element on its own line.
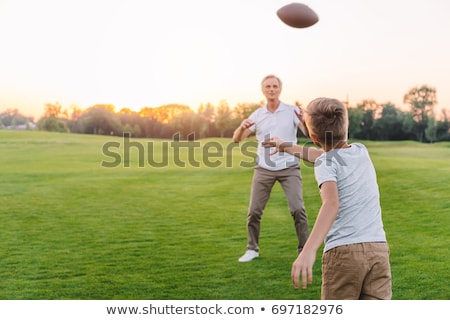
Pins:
<point x="273" y="142"/>
<point x="303" y="266"/>
<point x="276" y="143"/>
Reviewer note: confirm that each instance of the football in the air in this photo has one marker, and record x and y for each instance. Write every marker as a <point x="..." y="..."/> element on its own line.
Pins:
<point x="297" y="15"/>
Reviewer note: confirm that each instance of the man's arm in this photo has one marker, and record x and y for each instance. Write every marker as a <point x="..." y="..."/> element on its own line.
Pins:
<point x="243" y="130"/>
<point x="303" y="128"/>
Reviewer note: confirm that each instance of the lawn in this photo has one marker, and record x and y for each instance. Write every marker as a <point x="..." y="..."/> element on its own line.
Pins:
<point x="77" y="224"/>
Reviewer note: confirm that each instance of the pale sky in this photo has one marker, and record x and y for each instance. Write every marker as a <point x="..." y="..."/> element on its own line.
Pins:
<point x="137" y="53"/>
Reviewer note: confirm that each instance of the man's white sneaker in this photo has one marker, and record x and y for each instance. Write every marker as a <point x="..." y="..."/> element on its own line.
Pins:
<point x="249" y="256"/>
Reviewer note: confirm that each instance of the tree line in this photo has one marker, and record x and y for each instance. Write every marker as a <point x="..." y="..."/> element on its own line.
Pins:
<point x="368" y="120"/>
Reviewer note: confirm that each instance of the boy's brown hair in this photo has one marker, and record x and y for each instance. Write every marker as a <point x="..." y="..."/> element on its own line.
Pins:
<point x="327" y="119"/>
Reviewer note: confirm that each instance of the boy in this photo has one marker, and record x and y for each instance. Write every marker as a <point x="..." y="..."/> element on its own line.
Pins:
<point x="355" y="262"/>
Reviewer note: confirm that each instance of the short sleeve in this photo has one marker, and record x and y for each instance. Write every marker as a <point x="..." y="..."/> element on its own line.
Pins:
<point x="325" y="169"/>
<point x="294" y="114"/>
<point x="253" y="117"/>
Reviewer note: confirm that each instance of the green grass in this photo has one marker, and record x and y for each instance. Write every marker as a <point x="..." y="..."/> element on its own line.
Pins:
<point x="72" y="229"/>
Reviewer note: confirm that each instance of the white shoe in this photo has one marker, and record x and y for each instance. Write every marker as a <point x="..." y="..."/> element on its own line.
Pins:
<point x="249" y="256"/>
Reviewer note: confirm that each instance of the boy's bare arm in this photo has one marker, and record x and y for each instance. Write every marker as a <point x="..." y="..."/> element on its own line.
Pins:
<point x="306" y="153"/>
<point x="303" y="265"/>
<point x="326" y="216"/>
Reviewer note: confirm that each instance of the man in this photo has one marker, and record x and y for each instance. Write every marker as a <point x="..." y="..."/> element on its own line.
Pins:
<point x="274" y="119"/>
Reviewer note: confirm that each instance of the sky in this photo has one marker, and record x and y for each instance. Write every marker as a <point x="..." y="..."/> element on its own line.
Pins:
<point x="145" y="53"/>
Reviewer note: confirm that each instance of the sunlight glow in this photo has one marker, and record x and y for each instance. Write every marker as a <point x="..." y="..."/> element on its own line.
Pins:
<point x="139" y="53"/>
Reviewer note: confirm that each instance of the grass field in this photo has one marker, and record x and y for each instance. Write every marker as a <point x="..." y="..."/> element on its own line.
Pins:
<point x="72" y="229"/>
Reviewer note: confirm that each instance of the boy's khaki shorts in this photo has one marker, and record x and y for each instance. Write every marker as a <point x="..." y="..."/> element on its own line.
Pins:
<point x="357" y="271"/>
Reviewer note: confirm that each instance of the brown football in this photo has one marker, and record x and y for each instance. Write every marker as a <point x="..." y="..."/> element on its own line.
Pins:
<point x="297" y="15"/>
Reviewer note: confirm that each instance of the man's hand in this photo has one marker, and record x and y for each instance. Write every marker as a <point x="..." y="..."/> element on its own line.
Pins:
<point x="241" y="132"/>
<point x="247" y="123"/>
<point x="299" y="113"/>
<point x="301" y="116"/>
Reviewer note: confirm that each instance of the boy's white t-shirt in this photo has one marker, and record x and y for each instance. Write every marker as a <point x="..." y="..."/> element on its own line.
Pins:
<point x="282" y="123"/>
<point x="359" y="217"/>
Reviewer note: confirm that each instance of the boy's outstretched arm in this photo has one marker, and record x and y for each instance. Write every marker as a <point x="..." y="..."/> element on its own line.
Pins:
<point x="306" y="153"/>
<point x="303" y="266"/>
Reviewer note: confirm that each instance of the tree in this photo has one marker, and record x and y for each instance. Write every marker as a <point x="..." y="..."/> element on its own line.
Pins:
<point x="223" y="117"/>
<point x="369" y="109"/>
<point x="355" y="116"/>
<point x="76" y="112"/>
<point x="421" y="101"/>
<point x="183" y="124"/>
<point x="431" y="129"/>
<point x="53" y="124"/>
<point x="55" y="110"/>
<point x="100" y="119"/>
<point x="166" y="113"/>
<point x="409" y="126"/>
<point x="151" y="127"/>
<point x="12" y="118"/>
<point x="244" y="110"/>
<point x="205" y="120"/>
<point x="132" y="122"/>
<point x="389" y="125"/>
<point x="443" y="127"/>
